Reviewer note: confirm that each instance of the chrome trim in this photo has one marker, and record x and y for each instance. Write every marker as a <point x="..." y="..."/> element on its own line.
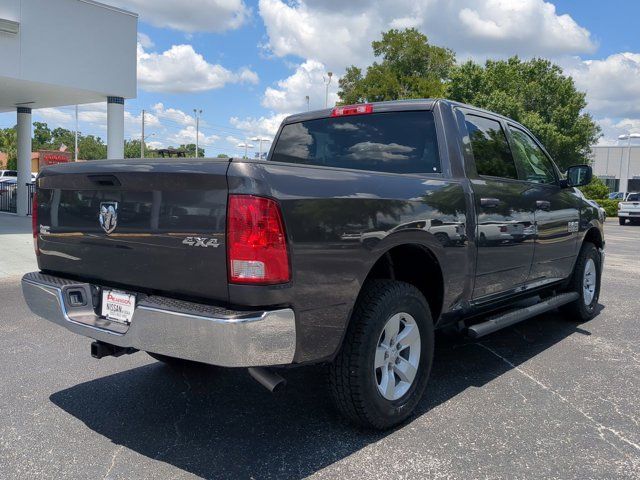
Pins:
<point x="231" y="339"/>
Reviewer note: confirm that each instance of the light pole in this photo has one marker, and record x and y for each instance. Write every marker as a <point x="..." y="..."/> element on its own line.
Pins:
<point x="246" y="146"/>
<point x="260" y="140"/>
<point x="306" y="97"/>
<point x="75" y="150"/>
<point x="197" y="113"/>
<point x="327" y="81"/>
<point x="628" y="137"/>
<point x="142" y="142"/>
<point x="142" y="137"/>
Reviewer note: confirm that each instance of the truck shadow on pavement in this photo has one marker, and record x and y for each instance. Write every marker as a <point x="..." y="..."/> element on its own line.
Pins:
<point x="219" y="423"/>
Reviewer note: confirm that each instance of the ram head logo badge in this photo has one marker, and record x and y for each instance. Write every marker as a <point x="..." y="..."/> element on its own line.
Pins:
<point x="108" y="216"/>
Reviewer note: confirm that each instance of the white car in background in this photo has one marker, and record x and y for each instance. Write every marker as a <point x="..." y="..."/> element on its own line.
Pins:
<point x="7" y="175"/>
<point x="629" y="209"/>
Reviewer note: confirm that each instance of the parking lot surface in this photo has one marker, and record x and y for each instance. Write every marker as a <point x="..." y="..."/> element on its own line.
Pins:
<point x="544" y="399"/>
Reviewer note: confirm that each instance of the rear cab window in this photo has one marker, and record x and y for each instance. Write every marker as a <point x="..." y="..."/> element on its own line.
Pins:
<point x="393" y="142"/>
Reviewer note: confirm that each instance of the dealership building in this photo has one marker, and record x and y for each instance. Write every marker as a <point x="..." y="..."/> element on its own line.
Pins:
<point x="618" y="167"/>
<point x="64" y="52"/>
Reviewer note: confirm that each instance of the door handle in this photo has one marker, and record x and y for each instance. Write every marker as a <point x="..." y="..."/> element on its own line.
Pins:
<point x="489" y="202"/>
<point x="543" y="205"/>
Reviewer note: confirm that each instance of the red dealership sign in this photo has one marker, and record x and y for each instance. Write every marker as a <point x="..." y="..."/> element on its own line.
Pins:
<point x="53" y="157"/>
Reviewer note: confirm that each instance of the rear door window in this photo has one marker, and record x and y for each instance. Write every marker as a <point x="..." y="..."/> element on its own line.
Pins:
<point x="490" y="147"/>
<point x="395" y="142"/>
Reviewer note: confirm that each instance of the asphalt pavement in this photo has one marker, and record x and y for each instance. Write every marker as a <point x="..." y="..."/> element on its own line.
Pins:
<point x="544" y="399"/>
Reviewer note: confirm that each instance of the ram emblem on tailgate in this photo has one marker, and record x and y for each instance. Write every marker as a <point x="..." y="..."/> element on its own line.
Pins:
<point x="108" y="216"/>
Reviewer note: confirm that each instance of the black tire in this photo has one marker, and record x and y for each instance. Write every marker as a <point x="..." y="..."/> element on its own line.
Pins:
<point x="173" y="361"/>
<point x="579" y="310"/>
<point x="352" y="375"/>
<point x="622" y="220"/>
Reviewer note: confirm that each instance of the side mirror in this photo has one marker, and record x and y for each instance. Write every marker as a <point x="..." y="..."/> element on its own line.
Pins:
<point x="579" y="175"/>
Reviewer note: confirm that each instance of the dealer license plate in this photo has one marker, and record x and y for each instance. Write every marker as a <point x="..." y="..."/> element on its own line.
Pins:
<point x="118" y="306"/>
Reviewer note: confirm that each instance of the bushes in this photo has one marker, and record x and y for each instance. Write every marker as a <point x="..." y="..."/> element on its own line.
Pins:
<point x="610" y="206"/>
<point x="596" y="189"/>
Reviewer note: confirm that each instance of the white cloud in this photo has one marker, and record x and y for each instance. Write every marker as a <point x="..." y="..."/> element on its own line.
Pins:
<point x="612" y="84"/>
<point x="612" y="128"/>
<point x="173" y="115"/>
<point x="190" y="15"/>
<point x="188" y="135"/>
<point x="55" y="116"/>
<point x="339" y="34"/>
<point x="145" y="40"/>
<point x="265" y="126"/>
<point x="289" y="96"/>
<point x="181" y="69"/>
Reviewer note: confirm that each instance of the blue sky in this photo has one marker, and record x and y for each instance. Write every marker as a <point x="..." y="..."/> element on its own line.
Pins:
<point x="248" y="63"/>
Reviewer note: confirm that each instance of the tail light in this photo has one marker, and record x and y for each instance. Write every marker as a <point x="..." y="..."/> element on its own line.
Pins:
<point x="34" y="222"/>
<point x="256" y="241"/>
<point x="352" y="110"/>
<point x="503" y="228"/>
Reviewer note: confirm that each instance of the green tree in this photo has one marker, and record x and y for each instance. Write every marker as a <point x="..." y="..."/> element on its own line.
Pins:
<point x="90" y="147"/>
<point x="222" y="155"/>
<point x="410" y="68"/>
<point x="61" y="136"/>
<point x="132" y="149"/>
<point x="190" y="150"/>
<point x="41" y="136"/>
<point x="9" y="145"/>
<point x="536" y="94"/>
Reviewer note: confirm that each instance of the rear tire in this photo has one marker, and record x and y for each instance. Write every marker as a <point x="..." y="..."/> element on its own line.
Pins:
<point x="622" y="220"/>
<point x="586" y="282"/>
<point x="381" y="371"/>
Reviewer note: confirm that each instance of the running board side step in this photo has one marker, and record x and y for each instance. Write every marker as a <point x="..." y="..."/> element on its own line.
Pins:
<point x="512" y="317"/>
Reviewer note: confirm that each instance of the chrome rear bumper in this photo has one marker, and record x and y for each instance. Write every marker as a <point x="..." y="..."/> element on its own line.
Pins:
<point x="188" y="330"/>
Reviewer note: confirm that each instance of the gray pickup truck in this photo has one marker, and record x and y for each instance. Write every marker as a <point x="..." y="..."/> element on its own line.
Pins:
<point x="367" y="228"/>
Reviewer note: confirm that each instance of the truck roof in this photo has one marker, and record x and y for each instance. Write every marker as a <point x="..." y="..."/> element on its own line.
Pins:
<point x="388" y="106"/>
<point x="391" y="106"/>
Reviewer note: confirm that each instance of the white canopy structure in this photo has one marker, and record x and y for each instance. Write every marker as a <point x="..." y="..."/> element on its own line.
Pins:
<point x="65" y="52"/>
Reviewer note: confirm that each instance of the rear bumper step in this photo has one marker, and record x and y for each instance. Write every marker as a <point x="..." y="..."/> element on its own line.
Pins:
<point x="199" y="332"/>
<point x="512" y="317"/>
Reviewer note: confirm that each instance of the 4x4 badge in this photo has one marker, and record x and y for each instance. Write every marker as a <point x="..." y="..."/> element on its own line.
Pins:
<point x="201" y="242"/>
<point x="108" y="216"/>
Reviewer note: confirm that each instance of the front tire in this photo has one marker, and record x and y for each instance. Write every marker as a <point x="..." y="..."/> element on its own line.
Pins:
<point x="586" y="282"/>
<point x="622" y="220"/>
<point x="381" y="371"/>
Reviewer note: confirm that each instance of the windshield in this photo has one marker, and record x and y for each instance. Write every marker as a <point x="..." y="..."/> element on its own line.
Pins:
<point x="397" y="142"/>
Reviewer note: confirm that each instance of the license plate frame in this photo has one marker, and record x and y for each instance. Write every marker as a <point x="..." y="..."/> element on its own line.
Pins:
<point x="118" y="306"/>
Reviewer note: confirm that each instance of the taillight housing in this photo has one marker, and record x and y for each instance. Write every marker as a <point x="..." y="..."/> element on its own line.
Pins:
<point x="34" y="222"/>
<point x="256" y="241"/>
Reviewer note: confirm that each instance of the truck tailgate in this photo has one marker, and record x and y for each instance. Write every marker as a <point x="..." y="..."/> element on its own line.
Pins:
<point x="148" y="225"/>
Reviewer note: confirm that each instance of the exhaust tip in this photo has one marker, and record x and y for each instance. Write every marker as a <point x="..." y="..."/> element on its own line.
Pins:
<point x="269" y="379"/>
